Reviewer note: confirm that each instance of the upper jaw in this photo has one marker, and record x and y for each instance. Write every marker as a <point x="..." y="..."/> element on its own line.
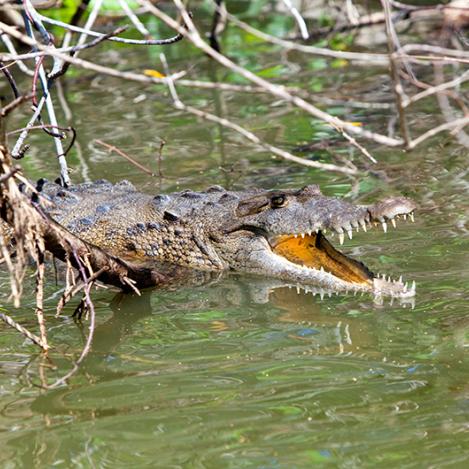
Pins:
<point x="346" y="218"/>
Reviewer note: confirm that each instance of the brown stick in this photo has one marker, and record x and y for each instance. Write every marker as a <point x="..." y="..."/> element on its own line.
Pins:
<point x="112" y="148"/>
<point x="32" y="337"/>
<point x="394" y="66"/>
<point x="40" y="292"/>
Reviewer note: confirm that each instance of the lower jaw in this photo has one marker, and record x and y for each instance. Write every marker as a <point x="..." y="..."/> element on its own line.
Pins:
<point x="314" y="253"/>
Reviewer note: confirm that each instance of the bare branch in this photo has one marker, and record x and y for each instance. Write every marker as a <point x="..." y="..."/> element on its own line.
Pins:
<point x="134" y="18"/>
<point x="360" y="57"/>
<point x="88" y="32"/>
<point x="393" y="43"/>
<point x="437" y="89"/>
<point x="298" y="18"/>
<point x="456" y="124"/>
<point x="22" y="330"/>
<point x="79" y="62"/>
<point x="178" y="104"/>
<point x="193" y="35"/>
<point x="112" y="148"/>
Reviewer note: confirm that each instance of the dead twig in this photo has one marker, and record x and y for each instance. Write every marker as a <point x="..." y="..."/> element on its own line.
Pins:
<point x="456" y="124"/>
<point x="89" y="32"/>
<point x="193" y="35"/>
<point x="92" y="321"/>
<point x="22" y="330"/>
<point x="178" y="104"/>
<point x="12" y="105"/>
<point x="394" y="71"/>
<point x="112" y="148"/>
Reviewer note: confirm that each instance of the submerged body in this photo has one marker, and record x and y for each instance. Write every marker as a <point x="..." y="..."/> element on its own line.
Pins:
<point x="279" y="233"/>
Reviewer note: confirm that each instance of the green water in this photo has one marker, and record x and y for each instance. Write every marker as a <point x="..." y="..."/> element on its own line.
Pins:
<point x="223" y="374"/>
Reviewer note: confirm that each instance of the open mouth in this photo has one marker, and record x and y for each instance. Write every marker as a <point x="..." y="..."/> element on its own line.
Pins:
<point x="316" y="252"/>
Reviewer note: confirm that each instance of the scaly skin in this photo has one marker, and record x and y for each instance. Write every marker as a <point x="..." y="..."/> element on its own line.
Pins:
<point x="276" y="233"/>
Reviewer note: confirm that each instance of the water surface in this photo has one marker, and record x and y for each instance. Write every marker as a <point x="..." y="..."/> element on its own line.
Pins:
<point x="226" y="374"/>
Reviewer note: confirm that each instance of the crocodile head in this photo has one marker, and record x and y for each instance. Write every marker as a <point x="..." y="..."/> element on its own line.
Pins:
<point x="283" y="234"/>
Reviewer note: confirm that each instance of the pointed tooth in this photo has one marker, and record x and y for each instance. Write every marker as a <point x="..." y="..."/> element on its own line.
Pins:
<point x="412" y="219"/>
<point x="405" y="216"/>
<point x="385" y="226"/>
<point x="405" y="287"/>
<point x="302" y="235"/>
<point x="363" y="225"/>
<point x="413" y="286"/>
<point x="341" y="238"/>
<point x="309" y="233"/>
<point x="295" y="235"/>
<point x="393" y="222"/>
<point x="322" y="269"/>
<point x="400" y="279"/>
<point x="350" y="233"/>
<point x="297" y="290"/>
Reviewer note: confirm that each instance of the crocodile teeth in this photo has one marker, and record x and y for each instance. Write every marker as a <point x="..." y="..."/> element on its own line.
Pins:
<point x="385" y="226"/>
<point x="341" y="238"/>
<point x="393" y="222"/>
<point x="295" y="235"/>
<point x="297" y="290"/>
<point x="405" y="216"/>
<point x="349" y="233"/>
<point x="400" y="279"/>
<point x="412" y="219"/>
<point x="363" y="225"/>
<point x="302" y="235"/>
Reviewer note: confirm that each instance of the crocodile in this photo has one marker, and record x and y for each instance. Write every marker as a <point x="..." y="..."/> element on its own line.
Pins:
<point x="283" y="234"/>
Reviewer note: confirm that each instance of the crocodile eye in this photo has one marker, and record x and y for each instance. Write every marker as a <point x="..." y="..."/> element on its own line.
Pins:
<point x="278" y="201"/>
